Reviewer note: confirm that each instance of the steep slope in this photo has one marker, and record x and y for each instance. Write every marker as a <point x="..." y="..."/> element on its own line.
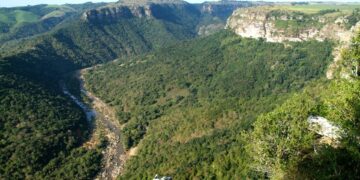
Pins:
<point x="37" y="119"/>
<point x="40" y="130"/>
<point x="286" y="146"/>
<point x="108" y="32"/>
<point x="189" y="109"/>
<point x="85" y="42"/>
<point x="185" y="105"/>
<point x="289" y="23"/>
<point x="21" y="22"/>
<point x="215" y="14"/>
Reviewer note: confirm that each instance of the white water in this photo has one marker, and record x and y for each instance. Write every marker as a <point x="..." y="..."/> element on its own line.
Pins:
<point x="90" y="113"/>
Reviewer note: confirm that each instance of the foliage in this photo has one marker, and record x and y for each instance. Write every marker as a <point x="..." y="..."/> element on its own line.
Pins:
<point x="37" y="125"/>
<point x="190" y="107"/>
<point x="43" y="127"/>
<point x="353" y="18"/>
<point x="318" y="7"/>
<point x="188" y="103"/>
<point x="79" y="164"/>
<point x="20" y="22"/>
<point x="87" y="43"/>
<point x="295" y="22"/>
<point x="284" y="147"/>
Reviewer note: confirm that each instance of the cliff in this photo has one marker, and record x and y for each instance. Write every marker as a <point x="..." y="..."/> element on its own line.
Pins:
<point x="278" y="25"/>
<point x="221" y="9"/>
<point x="159" y="9"/>
<point x="208" y="17"/>
<point x="215" y="13"/>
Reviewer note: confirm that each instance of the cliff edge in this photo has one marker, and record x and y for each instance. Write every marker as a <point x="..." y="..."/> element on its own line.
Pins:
<point x="277" y="24"/>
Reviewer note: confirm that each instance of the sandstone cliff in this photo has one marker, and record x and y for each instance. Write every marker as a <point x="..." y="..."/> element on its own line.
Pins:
<point x="159" y="9"/>
<point x="280" y="25"/>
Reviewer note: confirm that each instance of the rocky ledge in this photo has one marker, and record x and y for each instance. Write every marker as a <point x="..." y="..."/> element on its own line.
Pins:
<point x="276" y="25"/>
<point x="130" y="9"/>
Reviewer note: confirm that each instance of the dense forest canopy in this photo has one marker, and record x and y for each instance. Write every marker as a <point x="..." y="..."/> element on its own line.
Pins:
<point x="42" y="130"/>
<point x="187" y="104"/>
<point x="194" y="102"/>
<point x="22" y="22"/>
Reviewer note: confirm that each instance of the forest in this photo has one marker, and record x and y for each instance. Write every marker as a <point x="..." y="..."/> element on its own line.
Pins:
<point x="194" y="106"/>
<point x="44" y="127"/>
<point x="190" y="108"/>
<point x="41" y="131"/>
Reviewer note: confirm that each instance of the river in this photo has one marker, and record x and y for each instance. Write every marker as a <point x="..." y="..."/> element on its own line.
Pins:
<point x="114" y="155"/>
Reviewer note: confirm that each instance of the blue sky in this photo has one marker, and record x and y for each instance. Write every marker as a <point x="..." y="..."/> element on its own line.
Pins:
<point x="11" y="3"/>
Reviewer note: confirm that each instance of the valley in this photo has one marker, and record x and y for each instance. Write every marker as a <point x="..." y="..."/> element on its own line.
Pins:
<point x="114" y="156"/>
<point x="104" y="125"/>
<point x="166" y="88"/>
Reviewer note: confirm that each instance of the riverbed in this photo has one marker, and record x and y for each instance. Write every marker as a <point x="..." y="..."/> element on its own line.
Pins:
<point x="114" y="155"/>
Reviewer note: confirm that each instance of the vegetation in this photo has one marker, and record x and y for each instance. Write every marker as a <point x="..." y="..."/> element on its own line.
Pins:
<point x="43" y="126"/>
<point x="36" y="127"/>
<point x="353" y="18"/>
<point x="180" y="103"/>
<point x="313" y="8"/>
<point x="87" y="43"/>
<point x="286" y="148"/>
<point x="217" y="107"/>
<point x="296" y="22"/>
<point x="20" y="22"/>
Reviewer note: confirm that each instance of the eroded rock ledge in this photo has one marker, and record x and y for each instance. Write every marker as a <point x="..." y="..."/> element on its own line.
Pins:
<point x="276" y="25"/>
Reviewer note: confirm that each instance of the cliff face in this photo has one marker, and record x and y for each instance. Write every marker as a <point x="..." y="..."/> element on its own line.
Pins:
<point x="204" y="19"/>
<point x="214" y="14"/>
<point x="226" y="7"/>
<point x="279" y="25"/>
<point x="149" y="8"/>
<point x="117" y="12"/>
<point x="221" y="9"/>
<point x="140" y="9"/>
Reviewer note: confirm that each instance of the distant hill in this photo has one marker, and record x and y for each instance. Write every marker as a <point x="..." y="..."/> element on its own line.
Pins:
<point x="21" y="22"/>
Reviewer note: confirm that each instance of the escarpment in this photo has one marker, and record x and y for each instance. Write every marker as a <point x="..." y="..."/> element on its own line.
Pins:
<point x="222" y="8"/>
<point x="277" y="25"/>
<point x="165" y="10"/>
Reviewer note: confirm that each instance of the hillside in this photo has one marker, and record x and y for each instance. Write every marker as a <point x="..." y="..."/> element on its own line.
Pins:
<point x="37" y="119"/>
<point x="287" y="146"/>
<point x="107" y="32"/>
<point x="21" y="22"/>
<point x="179" y="106"/>
<point x="146" y="87"/>
<point x="225" y="106"/>
<point x="41" y="131"/>
<point x="34" y="107"/>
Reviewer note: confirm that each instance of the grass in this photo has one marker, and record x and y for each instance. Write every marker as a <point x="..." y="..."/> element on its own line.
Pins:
<point x="25" y="16"/>
<point x="315" y="8"/>
<point x="4" y="18"/>
<point x="56" y="13"/>
<point x="17" y="16"/>
<point x="53" y="6"/>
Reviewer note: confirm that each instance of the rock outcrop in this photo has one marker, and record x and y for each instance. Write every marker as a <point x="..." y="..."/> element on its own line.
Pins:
<point x="159" y="9"/>
<point x="220" y="11"/>
<point x="222" y="8"/>
<point x="279" y="25"/>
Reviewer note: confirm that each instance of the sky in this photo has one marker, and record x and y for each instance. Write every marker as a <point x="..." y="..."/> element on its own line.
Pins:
<point x="12" y="3"/>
